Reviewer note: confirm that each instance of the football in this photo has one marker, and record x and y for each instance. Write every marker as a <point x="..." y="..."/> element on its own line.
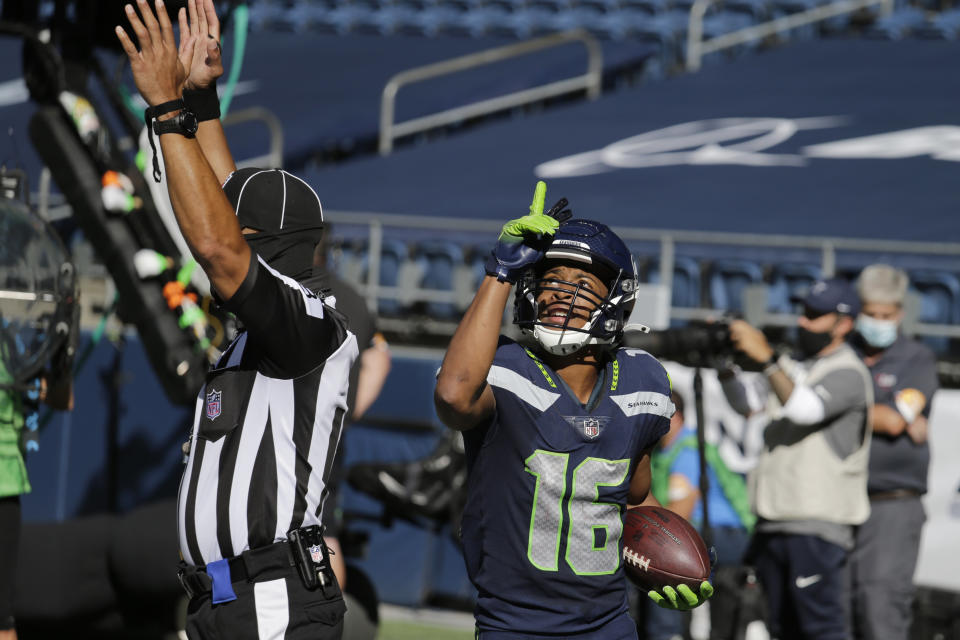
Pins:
<point x="660" y="548"/>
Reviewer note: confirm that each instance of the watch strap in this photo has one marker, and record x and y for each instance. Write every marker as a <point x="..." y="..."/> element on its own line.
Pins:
<point x="148" y="116"/>
<point x="162" y="108"/>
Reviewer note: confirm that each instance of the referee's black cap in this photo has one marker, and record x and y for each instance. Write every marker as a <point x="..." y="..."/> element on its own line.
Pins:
<point x="273" y="200"/>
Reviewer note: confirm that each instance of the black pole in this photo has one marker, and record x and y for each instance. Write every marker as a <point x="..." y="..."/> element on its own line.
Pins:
<point x="705" y="531"/>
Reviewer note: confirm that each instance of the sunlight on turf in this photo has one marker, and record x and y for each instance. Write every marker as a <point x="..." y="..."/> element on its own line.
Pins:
<point x="399" y="630"/>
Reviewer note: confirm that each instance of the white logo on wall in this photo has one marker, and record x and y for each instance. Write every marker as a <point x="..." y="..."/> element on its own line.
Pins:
<point x="744" y="141"/>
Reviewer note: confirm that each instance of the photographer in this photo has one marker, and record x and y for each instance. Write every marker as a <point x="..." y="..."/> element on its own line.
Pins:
<point x="809" y="487"/>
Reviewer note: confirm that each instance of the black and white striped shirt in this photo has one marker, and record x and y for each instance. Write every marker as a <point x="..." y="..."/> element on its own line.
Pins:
<point x="268" y="421"/>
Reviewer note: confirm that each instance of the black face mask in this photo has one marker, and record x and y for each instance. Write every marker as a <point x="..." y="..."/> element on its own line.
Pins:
<point x="810" y="344"/>
<point x="289" y="251"/>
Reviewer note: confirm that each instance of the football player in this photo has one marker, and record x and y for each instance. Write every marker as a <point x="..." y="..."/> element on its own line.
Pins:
<point x="558" y="434"/>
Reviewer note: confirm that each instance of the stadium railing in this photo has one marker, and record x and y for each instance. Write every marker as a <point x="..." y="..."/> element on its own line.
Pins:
<point x="697" y="47"/>
<point x="761" y="303"/>
<point x="590" y="81"/>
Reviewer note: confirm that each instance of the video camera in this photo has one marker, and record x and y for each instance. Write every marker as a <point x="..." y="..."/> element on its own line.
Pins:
<point x="699" y="344"/>
<point x="38" y="294"/>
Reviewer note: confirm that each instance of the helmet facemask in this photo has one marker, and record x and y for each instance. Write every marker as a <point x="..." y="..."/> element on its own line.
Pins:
<point x="584" y="317"/>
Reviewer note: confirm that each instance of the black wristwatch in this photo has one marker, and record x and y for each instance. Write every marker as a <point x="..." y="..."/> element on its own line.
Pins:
<point x="185" y="123"/>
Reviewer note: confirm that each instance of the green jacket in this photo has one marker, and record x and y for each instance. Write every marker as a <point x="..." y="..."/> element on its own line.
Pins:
<point x="13" y="471"/>
<point x="732" y="484"/>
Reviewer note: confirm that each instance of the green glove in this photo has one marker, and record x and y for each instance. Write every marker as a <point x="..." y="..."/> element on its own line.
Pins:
<point x="521" y="241"/>
<point x="533" y="224"/>
<point x="682" y="598"/>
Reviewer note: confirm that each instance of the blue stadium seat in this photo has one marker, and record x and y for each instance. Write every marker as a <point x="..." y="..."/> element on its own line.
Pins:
<point x="556" y="6"/>
<point x="945" y="26"/>
<point x="345" y="18"/>
<point x="269" y="14"/>
<point x="477" y="22"/>
<point x="759" y="10"/>
<point x="599" y="6"/>
<point x="724" y="22"/>
<point x="347" y="260"/>
<point x="524" y="23"/>
<point x="728" y="279"/>
<point x="435" y="20"/>
<point x="939" y="295"/>
<point x="939" y="302"/>
<point x="652" y="7"/>
<point x="581" y="16"/>
<point x="686" y="281"/>
<point x="898" y="25"/>
<point x="790" y="280"/>
<point x="441" y="261"/>
<point x="390" y="20"/>
<point x="394" y="258"/>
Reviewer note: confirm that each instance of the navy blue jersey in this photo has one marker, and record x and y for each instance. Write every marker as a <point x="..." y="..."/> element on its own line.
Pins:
<point x="548" y="488"/>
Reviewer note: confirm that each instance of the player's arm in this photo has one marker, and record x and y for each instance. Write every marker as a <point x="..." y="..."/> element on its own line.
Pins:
<point x="200" y="89"/>
<point x="462" y="396"/>
<point x="203" y="213"/>
<point x="639" y="494"/>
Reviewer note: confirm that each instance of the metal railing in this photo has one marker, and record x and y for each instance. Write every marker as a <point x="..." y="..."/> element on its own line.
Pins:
<point x="589" y="82"/>
<point x="827" y="248"/>
<point x="697" y="47"/>
<point x="274" y="157"/>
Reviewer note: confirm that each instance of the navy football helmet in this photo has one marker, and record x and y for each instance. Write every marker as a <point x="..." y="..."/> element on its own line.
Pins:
<point x="604" y="255"/>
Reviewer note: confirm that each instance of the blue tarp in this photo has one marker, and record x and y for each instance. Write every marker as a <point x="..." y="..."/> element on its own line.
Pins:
<point x="732" y="148"/>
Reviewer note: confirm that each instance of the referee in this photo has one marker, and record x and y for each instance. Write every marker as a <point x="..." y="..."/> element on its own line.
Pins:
<point x="268" y="419"/>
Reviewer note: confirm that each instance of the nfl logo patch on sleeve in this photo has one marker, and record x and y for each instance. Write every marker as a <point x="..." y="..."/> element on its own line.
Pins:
<point x="213" y="404"/>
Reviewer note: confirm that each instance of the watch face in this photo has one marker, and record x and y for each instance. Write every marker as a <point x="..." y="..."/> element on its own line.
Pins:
<point x="188" y="120"/>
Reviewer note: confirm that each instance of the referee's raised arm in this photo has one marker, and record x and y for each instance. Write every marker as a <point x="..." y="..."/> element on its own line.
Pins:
<point x="205" y="217"/>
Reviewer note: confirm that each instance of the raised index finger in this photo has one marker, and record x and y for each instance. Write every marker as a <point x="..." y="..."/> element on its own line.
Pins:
<point x="539" y="195"/>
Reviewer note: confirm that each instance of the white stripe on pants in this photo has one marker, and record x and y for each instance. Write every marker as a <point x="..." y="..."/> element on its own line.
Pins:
<point x="273" y="611"/>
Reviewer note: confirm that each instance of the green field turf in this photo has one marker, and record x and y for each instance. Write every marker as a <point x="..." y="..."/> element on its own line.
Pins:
<point x="403" y="630"/>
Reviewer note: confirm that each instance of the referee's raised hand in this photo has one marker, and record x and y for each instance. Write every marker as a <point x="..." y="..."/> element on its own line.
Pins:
<point x="158" y="71"/>
<point x="202" y="36"/>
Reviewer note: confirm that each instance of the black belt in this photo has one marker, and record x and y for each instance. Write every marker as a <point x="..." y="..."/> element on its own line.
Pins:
<point x="247" y="566"/>
<point x="894" y="494"/>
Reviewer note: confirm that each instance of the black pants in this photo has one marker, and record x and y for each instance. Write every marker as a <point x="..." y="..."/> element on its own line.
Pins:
<point x="806" y="582"/>
<point x="9" y="544"/>
<point x="277" y="609"/>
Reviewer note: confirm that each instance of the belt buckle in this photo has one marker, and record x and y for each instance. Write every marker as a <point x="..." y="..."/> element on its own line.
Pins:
<point x="185" y="583"/>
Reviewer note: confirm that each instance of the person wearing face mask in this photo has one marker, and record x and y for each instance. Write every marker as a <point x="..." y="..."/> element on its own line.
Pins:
<point x="268" y="418"/>
<point x="904" y="382"/>
<point x="809" y="488"/>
